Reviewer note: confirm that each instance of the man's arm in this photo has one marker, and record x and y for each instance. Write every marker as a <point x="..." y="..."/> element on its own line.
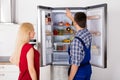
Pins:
<point x="69" y="15"/>
<point x="73" y="71"/>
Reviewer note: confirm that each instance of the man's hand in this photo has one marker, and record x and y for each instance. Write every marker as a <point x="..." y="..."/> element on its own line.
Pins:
<point x="69" y="14"/>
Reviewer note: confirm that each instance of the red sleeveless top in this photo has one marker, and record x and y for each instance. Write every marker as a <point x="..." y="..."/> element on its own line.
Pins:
<point x="23" y="66"/>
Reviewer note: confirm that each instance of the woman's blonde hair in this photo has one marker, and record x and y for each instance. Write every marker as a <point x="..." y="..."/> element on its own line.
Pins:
<point x="22" y="38"/>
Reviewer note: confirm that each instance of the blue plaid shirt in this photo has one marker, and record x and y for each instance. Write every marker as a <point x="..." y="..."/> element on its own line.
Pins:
<point x="76" y="48"/>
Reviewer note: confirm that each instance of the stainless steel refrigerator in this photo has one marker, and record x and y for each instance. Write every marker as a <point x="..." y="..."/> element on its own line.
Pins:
<point x="56" y="31"/>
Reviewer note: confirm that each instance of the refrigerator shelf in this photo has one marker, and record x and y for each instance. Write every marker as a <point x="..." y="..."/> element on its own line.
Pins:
<point x="63" y="32"/>
<point x="49" y="34"/>
<point x="64" y="28"/>
<point x="60" y="51"/>
<point x="61" y="43"/>
<point x="58" y="26"/>
<point x="61" y="26"/>
<point x="61" y="63"/>
<point x="48" y="24"/>
<point x="64" y="35"/>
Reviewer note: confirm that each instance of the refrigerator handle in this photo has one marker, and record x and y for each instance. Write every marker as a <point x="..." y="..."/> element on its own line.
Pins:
<point x="39" y="46"/>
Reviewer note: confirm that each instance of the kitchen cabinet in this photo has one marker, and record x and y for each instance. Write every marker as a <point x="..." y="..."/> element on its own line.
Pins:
<point x="7" y="11"/>
<point x="9" y="72"/>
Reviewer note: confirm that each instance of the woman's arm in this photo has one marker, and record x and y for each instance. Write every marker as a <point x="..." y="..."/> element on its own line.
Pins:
<point x="30" y="60"/>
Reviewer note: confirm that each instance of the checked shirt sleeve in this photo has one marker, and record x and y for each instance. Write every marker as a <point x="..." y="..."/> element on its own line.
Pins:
<point x="76" y="52"/>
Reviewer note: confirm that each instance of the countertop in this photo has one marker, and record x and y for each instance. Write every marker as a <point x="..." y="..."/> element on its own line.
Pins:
<point x="4" y="60"/>
<point x="5" y="63"/>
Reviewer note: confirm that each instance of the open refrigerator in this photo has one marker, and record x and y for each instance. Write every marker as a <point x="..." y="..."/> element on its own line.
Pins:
<point x="56" y="31"/>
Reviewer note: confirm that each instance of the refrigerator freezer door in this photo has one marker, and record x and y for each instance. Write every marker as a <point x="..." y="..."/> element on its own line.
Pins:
<point x="45" y="35"/>
<point x="96" y="23"/>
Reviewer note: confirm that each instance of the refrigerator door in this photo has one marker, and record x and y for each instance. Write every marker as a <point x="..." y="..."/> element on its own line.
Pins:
<point x="45" y="34"/>
<point x="96" y="23"/>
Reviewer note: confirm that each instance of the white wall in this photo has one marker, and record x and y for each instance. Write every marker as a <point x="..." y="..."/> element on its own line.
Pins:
<point x="27" y="11"/>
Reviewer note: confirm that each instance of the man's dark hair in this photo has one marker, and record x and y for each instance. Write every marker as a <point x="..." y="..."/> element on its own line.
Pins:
<point x="80" y="18"/>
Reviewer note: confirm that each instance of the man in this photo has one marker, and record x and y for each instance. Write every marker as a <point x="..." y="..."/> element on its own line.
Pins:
<point x="79" y="50"/>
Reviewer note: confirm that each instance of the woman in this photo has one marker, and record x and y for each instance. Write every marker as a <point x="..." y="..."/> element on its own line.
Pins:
<point x="25" y="56"/>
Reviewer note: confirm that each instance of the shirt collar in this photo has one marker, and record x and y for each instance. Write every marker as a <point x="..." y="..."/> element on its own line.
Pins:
<point x="80" y="32"/>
